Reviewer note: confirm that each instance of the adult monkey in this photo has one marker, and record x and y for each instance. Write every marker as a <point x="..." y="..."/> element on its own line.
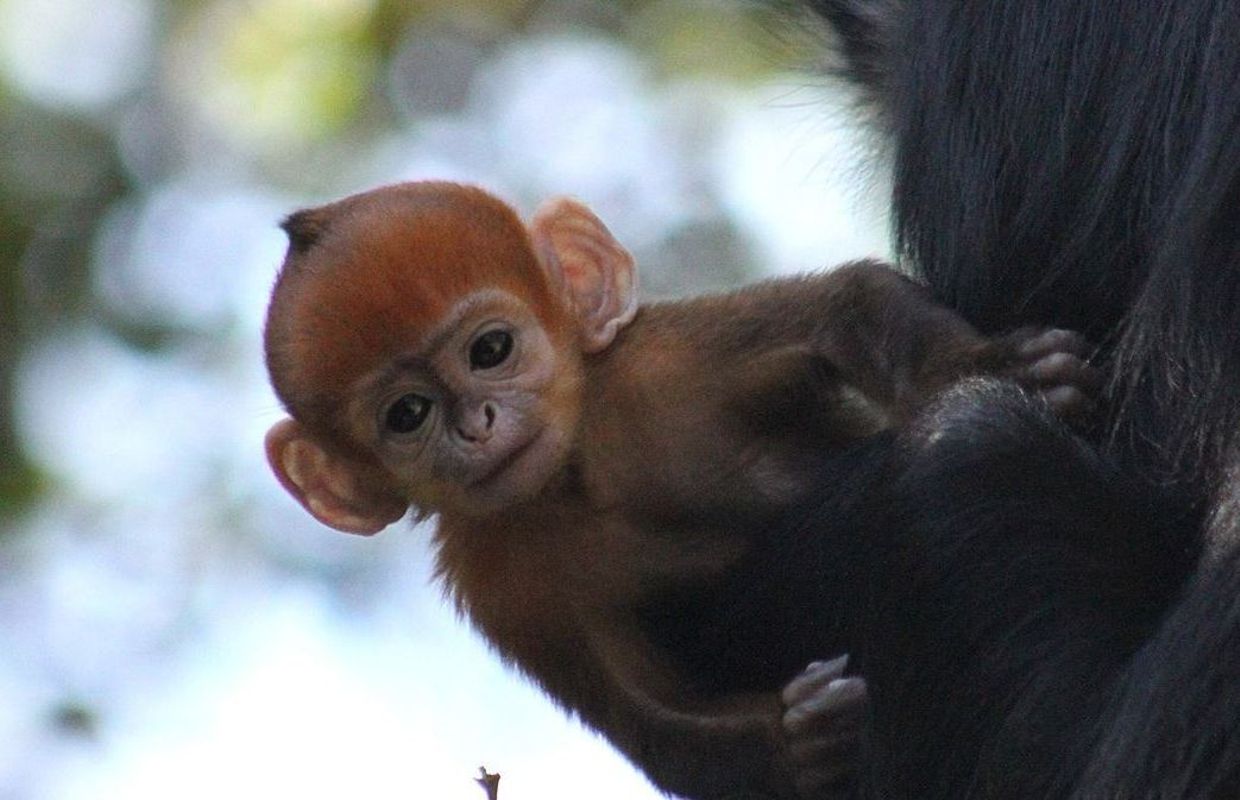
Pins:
<point x="1075" y="163"/>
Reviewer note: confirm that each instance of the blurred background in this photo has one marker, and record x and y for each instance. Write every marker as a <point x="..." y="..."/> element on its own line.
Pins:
<point x="171" y="625"/>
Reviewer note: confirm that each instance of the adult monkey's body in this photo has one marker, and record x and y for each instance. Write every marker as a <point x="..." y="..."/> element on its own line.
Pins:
<point x="1071" y="163"/>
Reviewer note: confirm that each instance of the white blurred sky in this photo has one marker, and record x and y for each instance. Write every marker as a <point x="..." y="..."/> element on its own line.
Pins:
<point x="233" y="648"/>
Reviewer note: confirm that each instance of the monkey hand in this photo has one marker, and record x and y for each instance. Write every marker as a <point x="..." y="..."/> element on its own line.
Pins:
<point x="823" y="728"/>
<point x="1054" y="363"/>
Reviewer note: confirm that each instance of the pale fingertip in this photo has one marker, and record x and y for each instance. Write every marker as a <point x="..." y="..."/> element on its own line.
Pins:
<point x="812" y="680"/>
<point x="848" y="687"/>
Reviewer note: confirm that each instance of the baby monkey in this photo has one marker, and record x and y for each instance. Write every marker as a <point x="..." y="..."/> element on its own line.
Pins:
<point x="586" y="455"/>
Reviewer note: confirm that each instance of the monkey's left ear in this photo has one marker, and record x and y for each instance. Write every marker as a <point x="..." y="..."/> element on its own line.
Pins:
<point x="594" y="271"/>
<point x="338" y="492"/>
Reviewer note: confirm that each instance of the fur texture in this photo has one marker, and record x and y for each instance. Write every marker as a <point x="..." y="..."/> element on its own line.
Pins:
<point x="1078" y="164"/>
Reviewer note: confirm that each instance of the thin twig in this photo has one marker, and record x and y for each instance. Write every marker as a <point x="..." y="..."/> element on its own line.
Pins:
<point x="489" y="783"/>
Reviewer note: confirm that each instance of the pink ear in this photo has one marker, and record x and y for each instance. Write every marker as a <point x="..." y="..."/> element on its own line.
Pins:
<point x="595" y="270"/>
<point x="337" y="492"/>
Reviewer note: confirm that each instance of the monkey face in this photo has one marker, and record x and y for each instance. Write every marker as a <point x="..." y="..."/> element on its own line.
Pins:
<point x="480" y="414"/>
<point x="429" y="348"/>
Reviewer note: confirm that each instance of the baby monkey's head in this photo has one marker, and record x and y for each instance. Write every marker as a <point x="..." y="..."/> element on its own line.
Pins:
<point x="428" y="345"/>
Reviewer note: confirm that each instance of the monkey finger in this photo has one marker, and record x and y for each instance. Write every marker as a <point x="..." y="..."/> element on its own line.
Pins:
<point x="840" y="700"/>
<point x="1055" y="340"/>
<point x="824" y="736"/>
<point x="826" y="745"/>
<point x="812" y="680"/>
<point x="821" y="761"/>
<point x="1063" y="369"/>
<point x="1069" y="401"/>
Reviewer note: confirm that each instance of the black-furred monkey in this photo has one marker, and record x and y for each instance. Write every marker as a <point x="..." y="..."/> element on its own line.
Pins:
<point x="1077" y="615"/>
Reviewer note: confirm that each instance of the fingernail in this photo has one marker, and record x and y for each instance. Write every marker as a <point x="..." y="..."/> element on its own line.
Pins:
<point x="847" y="686"/>
<point x="834" y="665"/>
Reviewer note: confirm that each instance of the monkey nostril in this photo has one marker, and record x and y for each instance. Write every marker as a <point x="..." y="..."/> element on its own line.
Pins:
<point x="476" y="428"/>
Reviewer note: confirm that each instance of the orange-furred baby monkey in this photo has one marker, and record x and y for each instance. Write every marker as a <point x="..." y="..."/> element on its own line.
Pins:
<point x="584" y="454"/>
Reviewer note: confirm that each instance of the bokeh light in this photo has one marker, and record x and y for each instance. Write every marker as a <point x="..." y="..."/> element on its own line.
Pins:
<point x="68" y="54"/>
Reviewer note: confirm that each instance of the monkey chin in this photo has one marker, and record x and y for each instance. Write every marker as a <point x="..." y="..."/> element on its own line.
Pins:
<point x="516" y="477"/>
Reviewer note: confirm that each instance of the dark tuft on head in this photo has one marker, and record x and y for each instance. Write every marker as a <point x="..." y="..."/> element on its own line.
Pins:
<point x="304" y="229"/>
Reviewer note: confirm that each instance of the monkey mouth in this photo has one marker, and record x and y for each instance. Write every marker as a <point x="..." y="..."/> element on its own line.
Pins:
<point x="500" y="467"/>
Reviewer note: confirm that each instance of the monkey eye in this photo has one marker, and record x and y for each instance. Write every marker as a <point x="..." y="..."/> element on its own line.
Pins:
<point x="407" y="414"/>
<point x="490" y="349"/>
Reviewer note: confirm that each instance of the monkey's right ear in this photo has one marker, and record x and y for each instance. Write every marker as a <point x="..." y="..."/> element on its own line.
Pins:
<point x="590" y="266"/>
<point x="337" y="492"/>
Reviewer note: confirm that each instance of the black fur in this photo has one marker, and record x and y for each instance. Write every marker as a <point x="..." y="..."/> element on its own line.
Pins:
<point x="1170" y="727"/>
<point x="1014" y="573"/>
<point x="1036" y="620"/>
<point x="1076" y="163"/>
<point x="868" y="32"/>
<point x="991" y="574"/>
<point x="748" y="631"/>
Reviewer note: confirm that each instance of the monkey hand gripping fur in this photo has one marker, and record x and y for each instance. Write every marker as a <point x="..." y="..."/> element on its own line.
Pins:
<point x="586" y="456"/>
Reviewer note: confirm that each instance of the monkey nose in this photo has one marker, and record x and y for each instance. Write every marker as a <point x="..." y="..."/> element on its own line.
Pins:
<point x="477" y="424"/>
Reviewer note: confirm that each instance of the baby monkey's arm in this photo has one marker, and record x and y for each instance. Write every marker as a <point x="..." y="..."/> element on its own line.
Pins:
<point x="898" y="347"/>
